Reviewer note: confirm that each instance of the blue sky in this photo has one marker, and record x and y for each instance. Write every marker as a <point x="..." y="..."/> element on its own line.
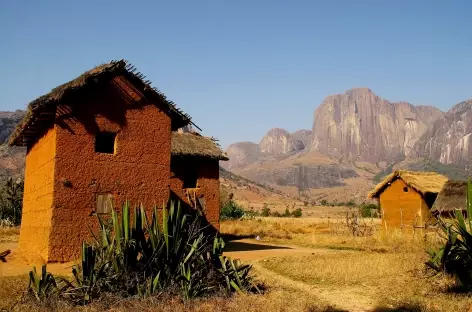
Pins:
<point x="242" y="67"/>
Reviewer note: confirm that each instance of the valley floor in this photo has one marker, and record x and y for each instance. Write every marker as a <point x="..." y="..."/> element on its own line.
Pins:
<point x="308" y="265"/>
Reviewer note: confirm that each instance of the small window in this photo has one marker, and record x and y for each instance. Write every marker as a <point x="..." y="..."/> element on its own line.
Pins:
<point x="105" y="142"/>
<point x="190" y="178"/>
<point x="405" y="189"/>
<point x="104" y="203"/>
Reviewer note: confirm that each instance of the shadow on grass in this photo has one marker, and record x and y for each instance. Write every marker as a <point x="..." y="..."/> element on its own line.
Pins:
<point x="241" y="246"/>
<point x="231" y="237"/>
<point x="402" y="308"/>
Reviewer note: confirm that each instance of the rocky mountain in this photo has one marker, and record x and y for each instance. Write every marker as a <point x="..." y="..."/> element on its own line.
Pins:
<point x="359" y="125"/>
<point x="8" y="122"/>
<point x="303" y="135"/>
<point x="303" y="176"/>
<point x="278" y="141"/>
<point x="12" y="159"/>
<point x="448" y="141"/>
<point x="241" y="154"/>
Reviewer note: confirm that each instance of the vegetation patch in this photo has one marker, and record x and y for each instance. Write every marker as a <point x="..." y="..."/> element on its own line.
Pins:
<point x="173" y="254"/>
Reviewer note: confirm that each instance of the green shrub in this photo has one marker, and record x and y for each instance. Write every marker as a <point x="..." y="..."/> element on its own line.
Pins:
<point x="175" y="253"/>
<point x="324" y="202"/>
<point x="297" y="213"/>
<point x="231" y="211"/>
<point x="286" y="213"/>
<point x="455" y="256"/>
<point x="369" y="210"/>
<point x="265" y="211"/>
<point x="11" y="201"/>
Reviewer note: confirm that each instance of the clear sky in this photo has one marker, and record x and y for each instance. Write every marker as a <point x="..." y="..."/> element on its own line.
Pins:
<point x="242" y="67"/>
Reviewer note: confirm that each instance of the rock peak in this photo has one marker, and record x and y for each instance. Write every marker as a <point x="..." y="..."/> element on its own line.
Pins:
<point x="361" y="90"/>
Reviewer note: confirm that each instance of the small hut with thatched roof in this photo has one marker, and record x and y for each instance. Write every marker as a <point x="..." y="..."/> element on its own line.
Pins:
<point x="406" y="197"/>
<point x="102" y="138"/>
<point x="453" y="196"/>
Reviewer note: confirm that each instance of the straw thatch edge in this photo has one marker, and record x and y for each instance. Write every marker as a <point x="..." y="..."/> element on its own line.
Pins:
<point x="422" y="182"/>
<point x="453" y="196"/>
<point x="41" y="111"/>
<point x="195" y="145"/>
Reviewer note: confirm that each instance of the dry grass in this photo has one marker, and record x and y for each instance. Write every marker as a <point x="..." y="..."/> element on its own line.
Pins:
<point x="325" y="233"/>
<point x="9" y="234"/>
<point x="13" y="288"/>
<point x="386" y="267"/>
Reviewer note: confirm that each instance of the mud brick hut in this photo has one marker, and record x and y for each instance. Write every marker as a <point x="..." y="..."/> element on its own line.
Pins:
<point x="452" y="197"/>
<point x="406" y="197"/>
<point x="102" y="138"/>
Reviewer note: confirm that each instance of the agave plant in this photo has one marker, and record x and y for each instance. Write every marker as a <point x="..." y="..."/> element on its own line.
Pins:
<point x="172" y="251"/>
<point x="42" y="286"/>
<point x="455" y="256"/>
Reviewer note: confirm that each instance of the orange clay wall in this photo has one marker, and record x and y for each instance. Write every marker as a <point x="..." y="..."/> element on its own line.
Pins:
<point x="139" y="170"/>
<point x="208" y="184"/>
<point x="393" y="199"/>
<point x="38" y="198"/>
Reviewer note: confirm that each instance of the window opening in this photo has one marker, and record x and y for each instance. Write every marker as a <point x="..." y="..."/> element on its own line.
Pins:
<point x="105" y="142"/>
<point x="190" y="178"/>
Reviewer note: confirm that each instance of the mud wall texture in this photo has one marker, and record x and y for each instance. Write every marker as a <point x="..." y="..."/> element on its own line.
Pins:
<point x="401" y="204"/>
<point x="208" y="184"/>
<point x="138" y="170"/>
<point x="38" y="198"/>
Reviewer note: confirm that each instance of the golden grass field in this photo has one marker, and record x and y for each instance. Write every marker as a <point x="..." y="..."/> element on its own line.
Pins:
<point x="323" y="268"/>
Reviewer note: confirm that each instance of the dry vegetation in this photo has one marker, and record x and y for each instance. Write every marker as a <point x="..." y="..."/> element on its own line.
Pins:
<point x="375" y="273"/>
<point x="9" y="234"/>
<point x="12" y="289"/>
<point x="386" y="269"/>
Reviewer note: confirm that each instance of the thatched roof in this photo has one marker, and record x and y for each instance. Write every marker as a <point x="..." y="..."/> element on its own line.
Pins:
<point x="452" y="196"/>
<point x="422" y="182"/>
<point x="41" y="112"/>
<point x="193" y="144"/>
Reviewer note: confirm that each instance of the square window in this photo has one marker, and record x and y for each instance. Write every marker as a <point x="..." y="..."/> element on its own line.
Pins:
<point x="105" y="142"/>
<point x="104" y="203"/>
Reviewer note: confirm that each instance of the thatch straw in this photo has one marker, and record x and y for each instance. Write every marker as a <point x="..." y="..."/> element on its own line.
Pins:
<point x="193" y="144"/>
<point x="41" y="112"/>
<point x="422" y="182"/>
<point x="452" y="196"/>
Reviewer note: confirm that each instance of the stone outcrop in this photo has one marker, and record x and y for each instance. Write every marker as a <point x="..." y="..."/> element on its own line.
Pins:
<point x="305" y="177"/>
<point x="241" y="154"/>
<point x="359" y="125"/>
<point x="303" y="135"/>
<point x="278" y="141"/>
<point x="8" y="122"/>
<point x="449" y="139"/>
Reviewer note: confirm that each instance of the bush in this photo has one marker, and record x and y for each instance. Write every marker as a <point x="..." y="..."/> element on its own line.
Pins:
<point x="324" y="202"/>
<point x="11" y="201"/>
<point x="231" y="211"/>
<point x="286" y="213"/>
<point x="455" y="256"/>
<point x="265" y="211"/>
<point x="145" y="257"/>
<point x="297" y="213"/>
<point x="368" y="210"/>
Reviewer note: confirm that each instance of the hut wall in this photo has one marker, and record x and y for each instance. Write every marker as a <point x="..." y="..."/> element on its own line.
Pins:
<point x="394" y="199"/>
<point x="38" y="198"/>
<point x="138" y="171"/>
<point x="208" y="184"/>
